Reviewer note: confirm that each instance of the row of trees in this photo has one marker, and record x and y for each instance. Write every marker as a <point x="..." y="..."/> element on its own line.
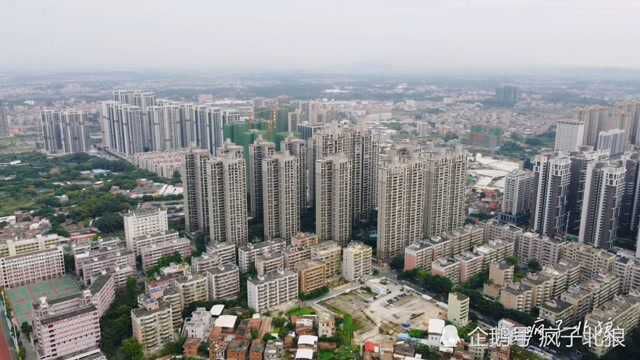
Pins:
<point x="314" y="294"/>
<point x="438" y="285"/>
<point x="115" y="325"/>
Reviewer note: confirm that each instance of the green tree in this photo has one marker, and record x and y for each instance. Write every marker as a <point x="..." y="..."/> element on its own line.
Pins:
<point x="69" y="263"/>
<point x="394" y="125"/>
<point x="132" y="350"/>
<point x="347" y="352"/>
<point x="115" y="325"/>
<point x="347" y="330"/>
<point x="203" y="349"/>
<point x="477" y="282"/>
<point x="533" y="141"/>
<point x="279" y="322"/>
<point x="534" y="266"/>
<point x="417" y="333"/>
<point x="110" y="223"/>
<point x="57" y="228"/>
<point x="314" y="294"/>
<point x="512" y="260"/>
<point x="26" y="329"/>
<point x="164" y="262"/>
<point x="450" y="136"/>
<point x="174" y="347"/>
<point x="397" y="263"/>
<point x="427" y="353"/>
<point x="268" y="337"/>
<point x="177" y="178"/>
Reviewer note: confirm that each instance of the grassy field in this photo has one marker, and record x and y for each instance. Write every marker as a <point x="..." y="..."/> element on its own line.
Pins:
<point x="301" y="311"/>
<point x="9" y="204"/>
<point x="16" y="144"/>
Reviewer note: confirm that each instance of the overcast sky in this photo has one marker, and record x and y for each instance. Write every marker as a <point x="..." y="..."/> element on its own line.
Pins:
<point x="407" y="35"/>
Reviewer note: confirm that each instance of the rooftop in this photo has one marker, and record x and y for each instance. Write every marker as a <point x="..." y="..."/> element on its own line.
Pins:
<point x="556" y="305"/>
<point x="308" y="340"/>
<point x="82" y="309"/>
<point x="226" y="321"/>
<point x="216" y="310"/>
<point x="183" y="279"/>
<point x="304" y="354"/>
<point x="308" y="264"/>
<point x="144" y="311"/>
<point x="272" y="276"/>
<point x="436" y="326"/>
<point x="23" y="297"/>
<point x="98" y="283"/>
<point x="223" y="268"/>
<point x="261" y="244"/>
<point x="516" y="288"/>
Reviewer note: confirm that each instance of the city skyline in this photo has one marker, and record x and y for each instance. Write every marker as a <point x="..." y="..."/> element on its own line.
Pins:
<point x="320" y="180"/>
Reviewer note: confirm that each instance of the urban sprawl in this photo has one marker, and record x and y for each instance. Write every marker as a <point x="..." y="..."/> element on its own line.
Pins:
<point x="280" y="228"/>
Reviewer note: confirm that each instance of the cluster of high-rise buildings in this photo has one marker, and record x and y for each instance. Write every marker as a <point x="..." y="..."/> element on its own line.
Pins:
<point x="583" y="189"/>
<point x="339" y="176"/>
<point x="420" y="194"/>
<point x="64" y="131"/>
<point x="507" y="95"/>
<point x="608" y="129"/>
<point x="215" y="194"/>
<point x="333" y="172"/>
<point x="136" y="121"/>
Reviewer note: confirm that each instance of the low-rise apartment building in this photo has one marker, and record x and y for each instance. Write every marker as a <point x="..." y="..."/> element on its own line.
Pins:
<point x="312" y="276"/>
<point x="272" y="290"/>
<point x="330" y="253"/>
<point x="26" y="269"/>
<point x="247" y="253"/>
<point x="152" y="324"/>
<point x="65" y="326"/>
<point x="356" y="261"/>
<point x="193" y="288"/>
<point x="152" y="253"/>
<point x="224" y="282"/>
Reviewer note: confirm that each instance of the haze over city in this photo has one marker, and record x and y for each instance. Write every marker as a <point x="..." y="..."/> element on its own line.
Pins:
<point x="358" y="35"/>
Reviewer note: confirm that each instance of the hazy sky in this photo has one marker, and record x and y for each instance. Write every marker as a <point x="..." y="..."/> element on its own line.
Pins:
<point x="407" y="35"/>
